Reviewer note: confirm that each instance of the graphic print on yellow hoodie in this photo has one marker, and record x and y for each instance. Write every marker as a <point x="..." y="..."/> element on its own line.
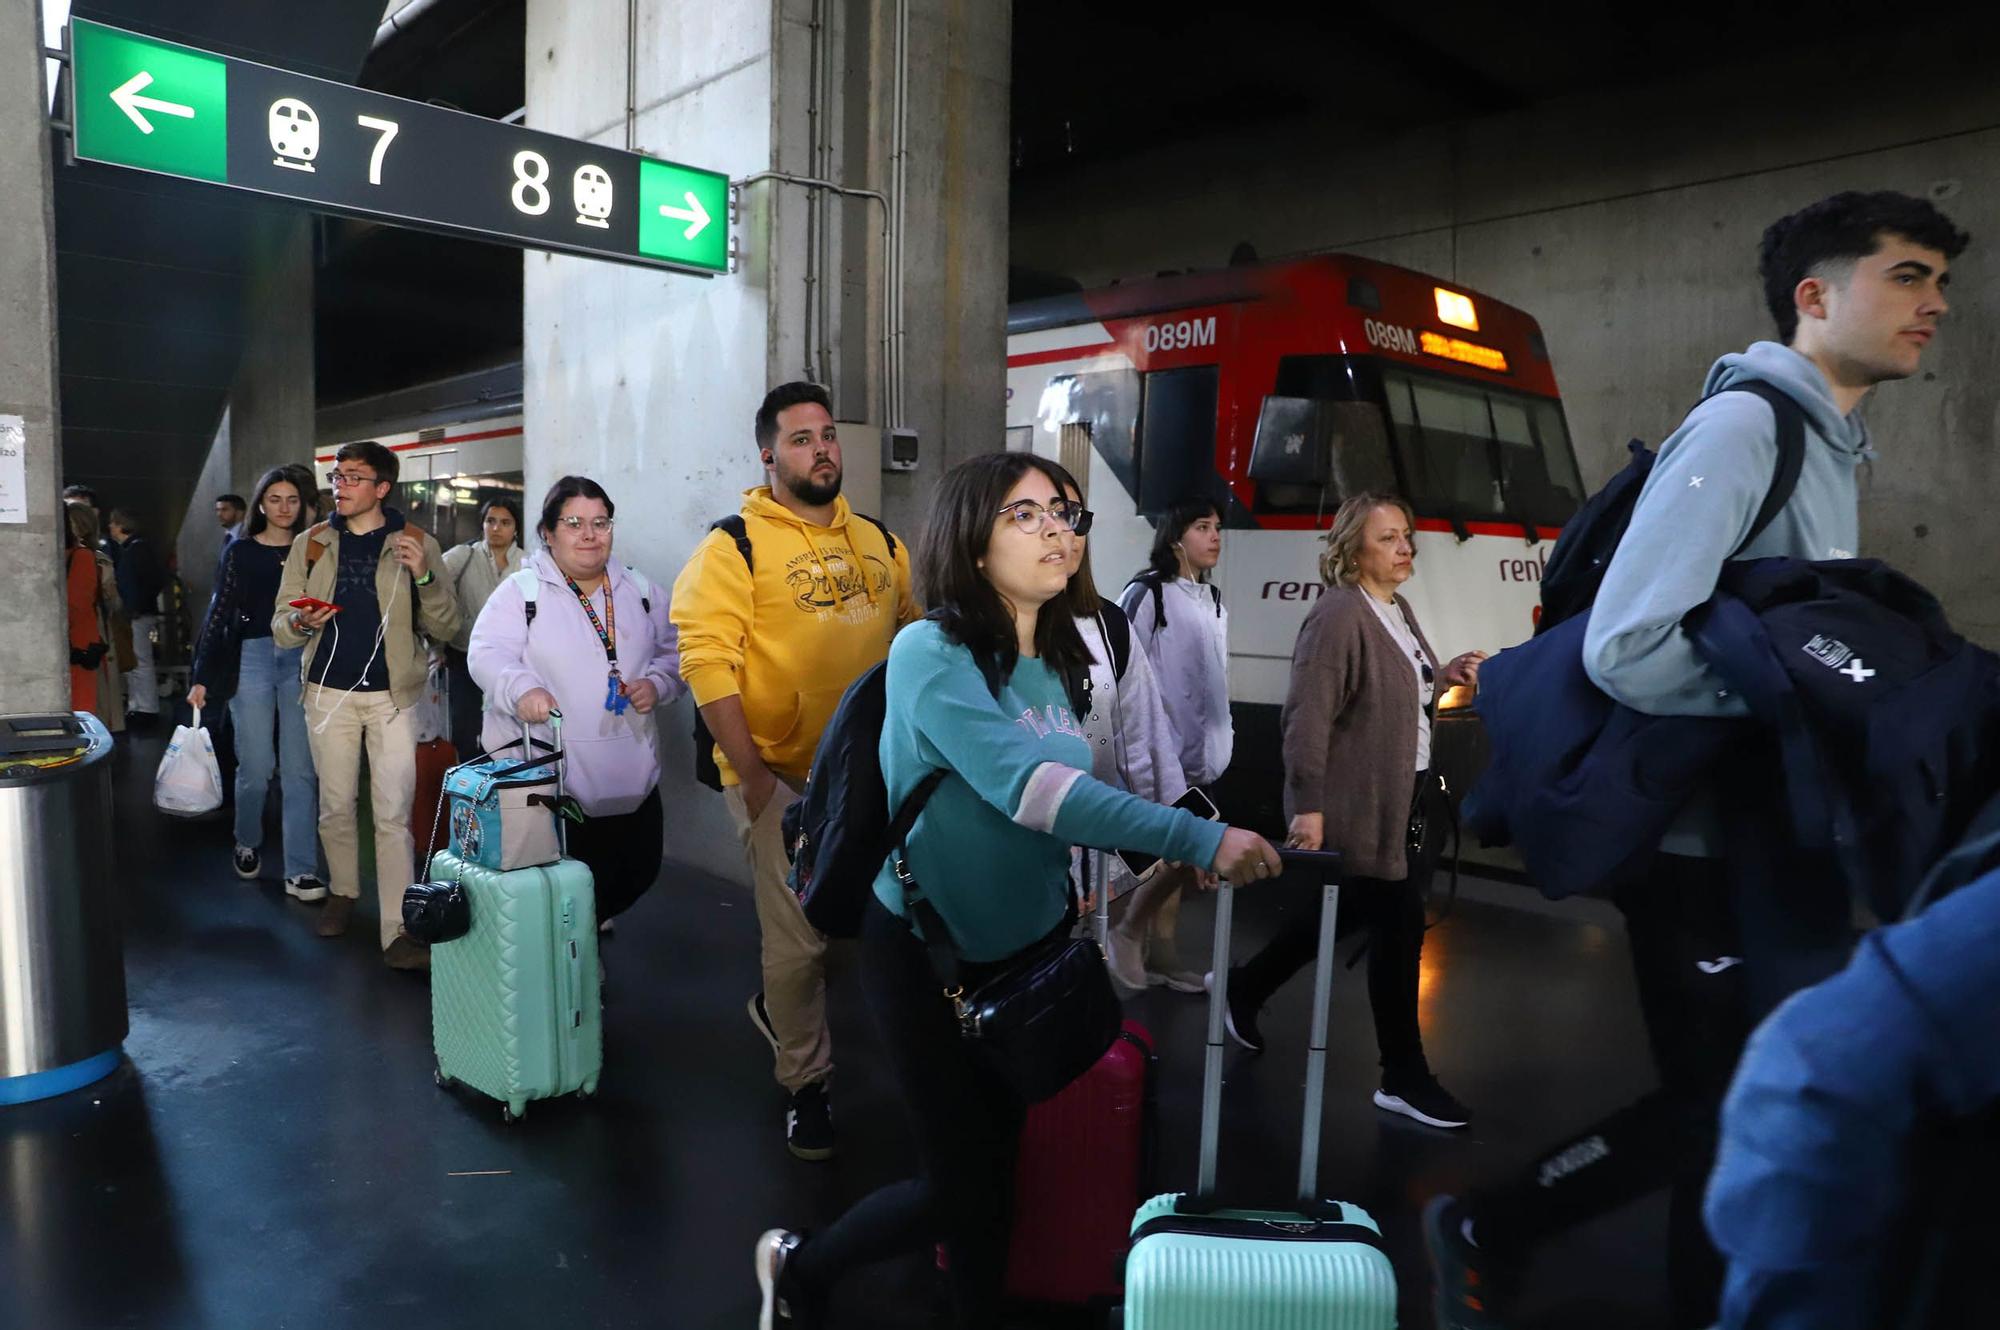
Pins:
<point x="820" y="607"/>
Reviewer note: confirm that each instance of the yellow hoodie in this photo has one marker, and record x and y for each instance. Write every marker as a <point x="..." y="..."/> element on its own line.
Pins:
<point x="820" y="608"/>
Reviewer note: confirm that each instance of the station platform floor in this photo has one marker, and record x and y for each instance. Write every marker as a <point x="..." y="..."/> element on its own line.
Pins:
<point x="274" y="1154"/>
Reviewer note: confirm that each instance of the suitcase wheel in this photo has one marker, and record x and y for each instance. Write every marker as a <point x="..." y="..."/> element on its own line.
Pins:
<point x="588" y="1090"/>
<point x="510" y="1114"/>
<point x="443" y="1081"/>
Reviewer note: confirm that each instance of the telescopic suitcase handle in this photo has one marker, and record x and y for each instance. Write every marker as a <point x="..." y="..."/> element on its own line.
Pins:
<point x="1324" y="864"/>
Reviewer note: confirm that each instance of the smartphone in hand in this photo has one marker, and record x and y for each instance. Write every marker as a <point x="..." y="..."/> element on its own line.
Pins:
<point x="1196" y="801"/>
<point x="314" y="606"/>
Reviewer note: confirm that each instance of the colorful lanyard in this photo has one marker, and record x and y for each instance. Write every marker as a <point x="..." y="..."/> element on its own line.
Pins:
<point x="605" y="628"/>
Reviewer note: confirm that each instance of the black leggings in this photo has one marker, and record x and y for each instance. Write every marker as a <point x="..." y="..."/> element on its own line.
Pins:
<point x="967" y="1124"/>
<point x="622" y="852"/>
<point x="1692" y="994"/>
<point x="1393" y="914"/>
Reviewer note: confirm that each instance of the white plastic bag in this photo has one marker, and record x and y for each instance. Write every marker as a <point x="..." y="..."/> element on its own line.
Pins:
<point x="189" y="782"/>
<point x="433" y="711"/>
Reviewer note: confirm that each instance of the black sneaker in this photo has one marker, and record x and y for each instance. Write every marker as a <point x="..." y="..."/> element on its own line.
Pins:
<point x="760" y="1016"/>
<point x="1239" y="1017"/>
<point x="809" y="1123"/>
<point x="1471" y="1288"/>
<point x="1418" y="1095"/>
<point x="248" y="863"/>
<point x="305" y="887"/>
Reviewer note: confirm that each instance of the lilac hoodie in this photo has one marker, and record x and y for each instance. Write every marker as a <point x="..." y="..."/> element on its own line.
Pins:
<point x="613" y="762"/>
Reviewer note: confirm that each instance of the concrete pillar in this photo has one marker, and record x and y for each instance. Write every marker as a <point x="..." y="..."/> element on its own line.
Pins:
<point x="649" y="381"/>
<point x="269" y="419"/>
<point x="34" y="635"/>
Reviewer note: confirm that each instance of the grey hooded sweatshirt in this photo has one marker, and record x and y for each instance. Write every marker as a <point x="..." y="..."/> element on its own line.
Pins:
<point x="1693" y="513"/>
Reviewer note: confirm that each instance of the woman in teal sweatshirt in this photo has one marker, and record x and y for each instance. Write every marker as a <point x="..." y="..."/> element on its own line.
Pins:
<point x="992" y="691"/>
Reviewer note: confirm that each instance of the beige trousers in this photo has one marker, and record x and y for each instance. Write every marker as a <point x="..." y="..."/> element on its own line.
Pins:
<point x="338" y="727"/>
<point x="794" y="952"/>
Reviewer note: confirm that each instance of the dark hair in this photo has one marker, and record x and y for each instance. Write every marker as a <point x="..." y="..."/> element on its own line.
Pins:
<point x="372" y="455"/>
<point x="84" y="492"/>
<point x="278" y="475"/>
<point x="1836" y="232"/>
<point x="560" y="493"/>
<point x="780" y="397"/>
<point x="968" y="606"/>
<point x="1081" y="595"/>
<point x="237" y="499"/>
<point x="1173" y="524"/>
<point x="513" y="506"/>
<point x="309" y="491"/>
<point x="122" y="517"/>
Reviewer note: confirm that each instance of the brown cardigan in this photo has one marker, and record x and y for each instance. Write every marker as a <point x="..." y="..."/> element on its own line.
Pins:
<point x="1349" y="726"/>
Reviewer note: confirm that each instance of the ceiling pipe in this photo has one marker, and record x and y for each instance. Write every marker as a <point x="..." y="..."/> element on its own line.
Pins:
<point x="400" y="21"/>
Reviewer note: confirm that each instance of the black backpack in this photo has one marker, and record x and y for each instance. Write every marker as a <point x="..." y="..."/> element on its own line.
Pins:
<point x="705" y="769"/>
<point x="840" y="832"/>
<point x="1583" y="551"/>
<point x="1151" y="579"/>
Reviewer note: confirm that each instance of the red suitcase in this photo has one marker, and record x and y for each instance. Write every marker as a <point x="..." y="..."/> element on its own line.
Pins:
<point x="434" y="758"/>
<point x="1081" y="1174"/>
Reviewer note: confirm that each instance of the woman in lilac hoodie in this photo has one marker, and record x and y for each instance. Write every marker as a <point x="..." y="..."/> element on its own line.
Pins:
<point x="579" y="633"/>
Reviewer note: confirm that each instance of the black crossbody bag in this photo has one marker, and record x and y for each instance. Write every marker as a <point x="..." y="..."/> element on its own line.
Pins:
<point x="1040" y="1018"/>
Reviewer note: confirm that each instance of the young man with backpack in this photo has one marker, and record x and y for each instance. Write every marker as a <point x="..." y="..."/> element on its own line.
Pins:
<point x="1724" y="918"/>
<point x="781" y="608"/>
<point x="378" y="602"/>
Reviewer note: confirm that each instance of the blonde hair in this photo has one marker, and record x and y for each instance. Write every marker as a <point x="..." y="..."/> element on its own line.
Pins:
<point x="1339" y="563"/>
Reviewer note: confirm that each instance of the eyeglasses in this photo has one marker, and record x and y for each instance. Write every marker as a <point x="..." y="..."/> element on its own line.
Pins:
<point x="601" y="525"/>
<point x="1029" y="517"/>
<point x="348" y="479"/>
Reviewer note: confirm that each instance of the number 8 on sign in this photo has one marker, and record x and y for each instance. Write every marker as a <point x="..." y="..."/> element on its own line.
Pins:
<point x="531" y="183"/>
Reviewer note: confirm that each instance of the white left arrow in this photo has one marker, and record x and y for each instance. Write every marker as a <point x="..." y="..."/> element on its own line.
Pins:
<point x="694" y="215"/>
<point x="131" y="103"/>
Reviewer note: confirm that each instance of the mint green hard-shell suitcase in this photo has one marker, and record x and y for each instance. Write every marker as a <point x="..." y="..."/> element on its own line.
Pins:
<point x="515" y="1009"/>
<point x="1196" y="1264"/>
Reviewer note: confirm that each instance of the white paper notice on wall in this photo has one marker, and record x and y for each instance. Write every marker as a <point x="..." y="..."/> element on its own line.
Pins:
<point x="13" y="470"/>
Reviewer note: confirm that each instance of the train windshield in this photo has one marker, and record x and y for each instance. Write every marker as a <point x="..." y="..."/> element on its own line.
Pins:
<point x="1477" y="453"/>
<point x="1458" y="449"/>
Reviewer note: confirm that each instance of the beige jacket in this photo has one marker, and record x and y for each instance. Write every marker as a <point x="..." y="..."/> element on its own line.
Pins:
<point x="312" y="568"/>
<point x="474" y="577"/>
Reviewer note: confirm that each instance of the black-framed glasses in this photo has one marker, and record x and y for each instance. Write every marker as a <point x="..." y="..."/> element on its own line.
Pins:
<point x="1031" y="518"/>
<point x="345" y="479"/>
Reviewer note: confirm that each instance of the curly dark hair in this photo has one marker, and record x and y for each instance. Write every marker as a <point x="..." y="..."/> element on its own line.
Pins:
<point x="1839" y="231"/>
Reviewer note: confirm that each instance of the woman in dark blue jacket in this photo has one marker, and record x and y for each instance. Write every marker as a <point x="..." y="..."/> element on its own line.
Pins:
<point x="237" y="662"/>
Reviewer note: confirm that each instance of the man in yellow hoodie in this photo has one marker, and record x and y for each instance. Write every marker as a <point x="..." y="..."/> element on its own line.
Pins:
<point x="778" y="611"/>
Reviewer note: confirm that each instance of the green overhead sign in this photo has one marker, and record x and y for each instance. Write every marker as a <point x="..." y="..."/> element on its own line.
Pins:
<point x="159" y="106"/>
<point x="150" y="104"/>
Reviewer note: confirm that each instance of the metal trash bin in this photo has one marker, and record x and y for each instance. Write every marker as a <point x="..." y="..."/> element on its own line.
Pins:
<point x="62" y="964"/>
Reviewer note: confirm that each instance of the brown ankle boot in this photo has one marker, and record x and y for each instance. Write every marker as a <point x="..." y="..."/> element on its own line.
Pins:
<point x="333" y="916"/>
<point x="405" y="953"/>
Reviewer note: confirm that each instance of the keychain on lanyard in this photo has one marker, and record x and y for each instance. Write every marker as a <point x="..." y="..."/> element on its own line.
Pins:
<point x="616" y="697"/>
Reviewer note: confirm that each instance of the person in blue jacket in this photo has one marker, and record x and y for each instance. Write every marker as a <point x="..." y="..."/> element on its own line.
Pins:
<point x="990" y="689"/>
<point x="1813" y="1172"/>
<point x="1719" y="929"/>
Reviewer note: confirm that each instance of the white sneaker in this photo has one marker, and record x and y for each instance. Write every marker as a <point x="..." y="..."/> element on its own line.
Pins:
<point x="1125" y="957"/>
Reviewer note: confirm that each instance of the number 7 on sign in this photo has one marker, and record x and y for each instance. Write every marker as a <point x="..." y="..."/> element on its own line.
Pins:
<point x="387" y="129"/>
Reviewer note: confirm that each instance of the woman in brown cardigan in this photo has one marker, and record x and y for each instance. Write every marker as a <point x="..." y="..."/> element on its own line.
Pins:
<point x="1357" y="745"/>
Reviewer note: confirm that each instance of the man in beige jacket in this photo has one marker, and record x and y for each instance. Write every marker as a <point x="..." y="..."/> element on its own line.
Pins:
<point x="380" y="595"/>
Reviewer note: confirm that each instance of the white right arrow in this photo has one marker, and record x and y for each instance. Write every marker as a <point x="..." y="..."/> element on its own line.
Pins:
<point x="694" y="215"/>
<point x="126" y="95"/>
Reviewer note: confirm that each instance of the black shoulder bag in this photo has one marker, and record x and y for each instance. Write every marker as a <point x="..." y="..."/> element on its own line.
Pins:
<point x="1042" y="1017"/>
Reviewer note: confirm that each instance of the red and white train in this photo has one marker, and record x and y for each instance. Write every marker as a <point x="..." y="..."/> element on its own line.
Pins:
<point x="1279" y="389"/>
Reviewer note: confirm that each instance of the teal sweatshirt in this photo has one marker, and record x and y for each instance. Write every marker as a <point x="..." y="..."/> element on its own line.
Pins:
<point x="991" y="848"/>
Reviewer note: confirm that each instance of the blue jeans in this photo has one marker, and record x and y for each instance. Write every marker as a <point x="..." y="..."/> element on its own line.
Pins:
<point x="270" y="723"/>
